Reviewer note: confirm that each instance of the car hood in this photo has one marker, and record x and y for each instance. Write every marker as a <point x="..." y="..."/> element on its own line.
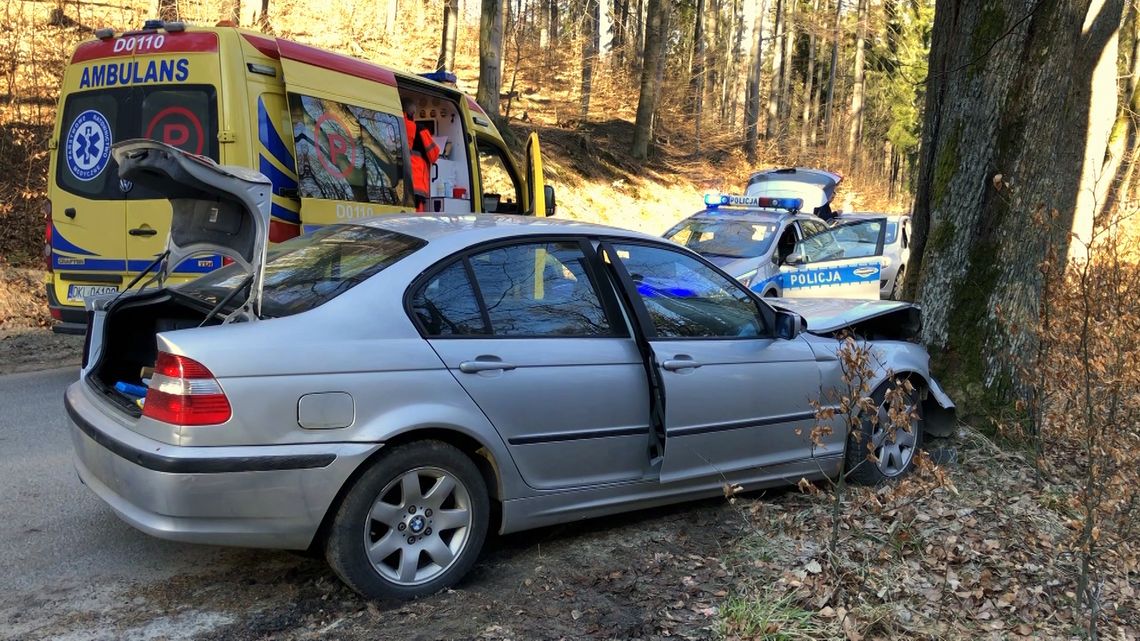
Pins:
<point x="215" y="209"/>
<point x="899" y="319"/>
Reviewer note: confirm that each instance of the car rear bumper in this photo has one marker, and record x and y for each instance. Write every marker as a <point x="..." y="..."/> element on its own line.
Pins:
<point x="272" y="496"/>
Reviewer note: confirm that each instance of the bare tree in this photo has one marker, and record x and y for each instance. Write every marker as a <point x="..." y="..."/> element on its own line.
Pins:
<point x="168" y="10"/>
<point x="777" y="71"/>
<point x="697" y="72"/>
<point x="589" y="55"/>
<point x="830" y="109"/>
<point x="450" y="33"/>
<point x="490" y="56"/>
<point x="855" y="133"/>
<point x="656" y="21"/>
<point x="752" y="102"/>
<point x="809" y="76"/>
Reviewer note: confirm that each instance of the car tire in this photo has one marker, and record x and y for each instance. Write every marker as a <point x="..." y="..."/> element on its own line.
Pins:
<point x="413" y="524"/>
<point x="771" y="293"/>
<point x="897" y="286"/>
<point x="894" y="458"/>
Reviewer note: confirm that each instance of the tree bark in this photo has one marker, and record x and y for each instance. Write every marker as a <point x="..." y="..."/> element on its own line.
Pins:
<point x="815" y="102"/>
<point x="392" y="17"/>
<point x="855" y="133"/>
<point x="591" y="36"/>
<point x="788" y="63"/>
<point x="1000" y="141"/>
<point x="777" y="71"/>
<point x="656" y="20"/>
<point x="230" y="10"/>
<point x="490" y="56"/>
<point x="450" y="34"/>
<point x="755" y="75"/>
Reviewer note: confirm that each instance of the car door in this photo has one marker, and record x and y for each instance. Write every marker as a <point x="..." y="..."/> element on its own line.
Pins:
<point x="735" y="397"/>
<point x="547" y="355"/>
<point x="844" y="261"/>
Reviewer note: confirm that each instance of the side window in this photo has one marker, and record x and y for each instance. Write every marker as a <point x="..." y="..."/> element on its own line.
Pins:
<point x="786" y="245"/>
<point x="686" y="299"/>
<point x="446" y="305"/>
<point x="500" y="186"/>
<point x="818" y="243"/>
<point x="539" y="290"/>
<point x="345" y="152"/>
<point x="905" y="234"/>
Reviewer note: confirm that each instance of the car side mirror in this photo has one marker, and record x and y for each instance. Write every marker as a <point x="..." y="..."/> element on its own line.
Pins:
<point x="794" y="259"/>
<point x="787" y="325"/>
<point x="548" y="192"/>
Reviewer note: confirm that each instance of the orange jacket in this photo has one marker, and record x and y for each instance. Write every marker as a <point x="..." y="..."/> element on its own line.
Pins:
<point x="424" y="153"/>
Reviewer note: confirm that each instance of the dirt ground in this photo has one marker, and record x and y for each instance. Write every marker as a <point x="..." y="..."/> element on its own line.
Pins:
<point x="31" y="349"/>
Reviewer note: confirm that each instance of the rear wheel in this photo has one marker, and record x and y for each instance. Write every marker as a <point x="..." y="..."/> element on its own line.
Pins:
<point x="412" y="525"/>
<point x="878" y="450"/>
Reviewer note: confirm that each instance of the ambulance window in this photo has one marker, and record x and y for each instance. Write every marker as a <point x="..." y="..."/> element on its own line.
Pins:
<point x="87" y="131"/>
<point x="345" y="152"/>
<point x="180" y="118"/>
<point x="500" y="185"/>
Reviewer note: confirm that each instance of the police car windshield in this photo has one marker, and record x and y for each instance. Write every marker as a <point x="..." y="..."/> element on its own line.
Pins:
<point x="725" y="238"/>
<point x="306" y="272"/>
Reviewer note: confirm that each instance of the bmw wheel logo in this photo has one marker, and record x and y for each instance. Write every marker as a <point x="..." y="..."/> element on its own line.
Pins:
<point x="88" y="145"/>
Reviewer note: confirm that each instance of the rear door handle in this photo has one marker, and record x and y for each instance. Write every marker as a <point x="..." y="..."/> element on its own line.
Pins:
<point x="142" y="231"/>
<point x="682" y="361"/>
<point x="484" y="365"/>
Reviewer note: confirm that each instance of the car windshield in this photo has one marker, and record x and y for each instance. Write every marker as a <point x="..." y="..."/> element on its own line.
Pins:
<point x="725" y="238"/>
<point x="306" y="272"/>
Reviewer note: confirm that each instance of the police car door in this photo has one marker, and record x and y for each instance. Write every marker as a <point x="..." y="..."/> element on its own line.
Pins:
<point x="840" y="262"/>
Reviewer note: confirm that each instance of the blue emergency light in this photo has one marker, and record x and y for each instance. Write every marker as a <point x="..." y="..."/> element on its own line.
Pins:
<point x="714" y="200"/>
<point x="442" y="77"/>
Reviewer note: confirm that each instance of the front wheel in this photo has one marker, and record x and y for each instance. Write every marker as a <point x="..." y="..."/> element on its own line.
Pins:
<point x="897" y="286"/>
<point x="877" y="450"/>
<point x="412" y="524"/>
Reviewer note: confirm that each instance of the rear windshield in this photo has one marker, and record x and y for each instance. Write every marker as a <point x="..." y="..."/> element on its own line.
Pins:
<point x="185" y="116"/>
<point x="725" y="238"/>
<point x="308" y="271"/>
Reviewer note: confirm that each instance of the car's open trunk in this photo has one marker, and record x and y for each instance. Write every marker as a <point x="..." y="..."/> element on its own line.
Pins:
<point x="126" y="344"/>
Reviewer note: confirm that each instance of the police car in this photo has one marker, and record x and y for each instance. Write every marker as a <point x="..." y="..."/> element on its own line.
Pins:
<point x="767" y="244"/>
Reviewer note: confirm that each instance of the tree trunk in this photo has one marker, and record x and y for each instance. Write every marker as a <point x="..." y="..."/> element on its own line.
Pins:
<point x="553" y="22"/>
<point x="392" y="17"/>
<point x="785" y="106"/>
<point x="168" y="10"/>
<point x="230" y="10"/>
<point x="755" y="75"/>
<point x="777" y="71"/>
<point x="697" y="77"/>
<point x="490" y="56"/>
<point x="809" y="76"/>
<point x="656" y="20"/>
<point x="855" y="133"/>
<point x="1000" y="141"/>
<point x="590" y="35"/>
<point x="830" y="109"/>
<point x="815" y="99"/>
<point x="450" y="34"/>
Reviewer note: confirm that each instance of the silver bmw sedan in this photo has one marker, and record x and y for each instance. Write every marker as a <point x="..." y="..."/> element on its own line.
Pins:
<point x="386" y="392"/>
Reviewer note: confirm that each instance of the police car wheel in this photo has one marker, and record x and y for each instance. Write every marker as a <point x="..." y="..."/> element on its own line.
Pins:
<point x="879" y="451"/>
<point x="413" y="524"/>
<point x="897" y="286"/>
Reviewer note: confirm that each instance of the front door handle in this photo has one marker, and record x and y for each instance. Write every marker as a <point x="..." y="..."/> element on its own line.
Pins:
<point x="681" y="361"/>
<point x="484" y="364"/>
<point x="143" y="231"/>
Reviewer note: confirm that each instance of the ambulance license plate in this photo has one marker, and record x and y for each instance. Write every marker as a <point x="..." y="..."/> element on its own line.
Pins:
<point x="78" y="293"/>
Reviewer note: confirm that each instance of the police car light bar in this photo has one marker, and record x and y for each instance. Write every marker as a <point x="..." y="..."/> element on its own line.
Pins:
<point x="714" y="200"/>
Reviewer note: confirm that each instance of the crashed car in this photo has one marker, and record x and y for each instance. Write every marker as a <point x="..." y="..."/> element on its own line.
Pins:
<point x="388" y="391"/>
<point x="896" y="249"/>
<point x="767" y="244"/>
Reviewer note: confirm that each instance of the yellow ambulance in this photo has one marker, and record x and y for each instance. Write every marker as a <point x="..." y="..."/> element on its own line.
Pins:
<point x="328" y="130"/>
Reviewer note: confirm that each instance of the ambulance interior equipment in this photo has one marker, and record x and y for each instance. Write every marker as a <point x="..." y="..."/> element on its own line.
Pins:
<point x="450" y="178"/>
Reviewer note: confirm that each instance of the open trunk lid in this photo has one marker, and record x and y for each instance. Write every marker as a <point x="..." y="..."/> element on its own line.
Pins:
<point x="216" y="210"/>
<point x="815" y="187"/>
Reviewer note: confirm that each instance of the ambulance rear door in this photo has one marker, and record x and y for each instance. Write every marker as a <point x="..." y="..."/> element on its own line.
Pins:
<point x="844" y="261"/>
<point x="348" y="136"/>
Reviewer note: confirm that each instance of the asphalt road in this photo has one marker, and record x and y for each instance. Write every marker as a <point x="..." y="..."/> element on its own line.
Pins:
<point x="57" y="539"/>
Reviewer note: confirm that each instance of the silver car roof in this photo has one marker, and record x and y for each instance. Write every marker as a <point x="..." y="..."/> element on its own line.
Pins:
<point x="471" y="229"/>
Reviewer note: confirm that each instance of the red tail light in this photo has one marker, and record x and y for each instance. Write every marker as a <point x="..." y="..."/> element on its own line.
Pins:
<point x="47" y="235"/>
<point x="183" y="392"/>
